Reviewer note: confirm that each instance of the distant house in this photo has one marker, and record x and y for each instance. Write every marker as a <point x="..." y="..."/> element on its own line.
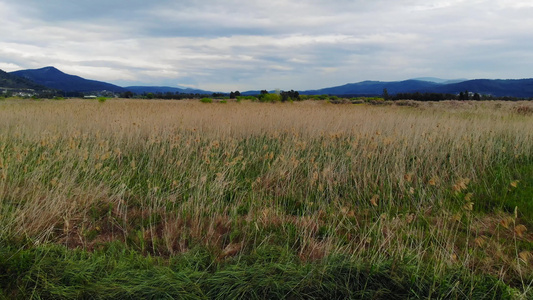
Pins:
<point x="89" y="97"/>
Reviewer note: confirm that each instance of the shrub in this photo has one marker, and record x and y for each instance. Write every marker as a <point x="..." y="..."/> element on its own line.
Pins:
<point x="337" y="100"/>
<point x="410" y="103"/>
<point x="102" y="99"/>
<point x="223" y="101"/>
<point x="270" y="98"/>
<point x="206" y="100"/>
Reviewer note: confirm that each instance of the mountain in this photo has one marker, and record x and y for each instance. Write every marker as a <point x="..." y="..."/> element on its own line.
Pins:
<point x="522" y="88"/>
<point x="495" y="87"/>
<point x="254" y="93"/>
<point x="55" y="79"/>
<point x="376" y="88"/>
<point x="164" y="90"/>
<point x="52" y="78"/>
<point x="9" y="81"/>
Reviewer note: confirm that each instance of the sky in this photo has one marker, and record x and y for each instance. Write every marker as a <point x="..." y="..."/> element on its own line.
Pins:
<point x="251" y="45"/>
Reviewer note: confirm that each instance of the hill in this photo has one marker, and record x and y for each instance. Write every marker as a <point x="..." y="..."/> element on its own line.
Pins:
<point x="164" y="89"/>
<point x="50" y="77"/>
<point x="55" y="79"/>
<point x="8" y="81"/>
<point x="375" y="88"/>
<point x="496" y="87"/>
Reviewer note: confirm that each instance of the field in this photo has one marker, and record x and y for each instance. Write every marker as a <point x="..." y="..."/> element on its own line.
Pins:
<point x="182" y="199"/>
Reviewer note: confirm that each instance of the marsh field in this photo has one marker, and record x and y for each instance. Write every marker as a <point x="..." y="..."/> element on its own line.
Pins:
<point x="304" y="200"/>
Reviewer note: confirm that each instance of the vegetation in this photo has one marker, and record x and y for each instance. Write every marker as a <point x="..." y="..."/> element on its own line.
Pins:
<point x="240" y="98"/>
<point x="161" y="199"/>
<point x="15" y="82"/>
<point x="234" y="95"/>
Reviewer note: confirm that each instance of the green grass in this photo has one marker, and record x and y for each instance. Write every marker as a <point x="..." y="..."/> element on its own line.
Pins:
<point x="115" y="272"/>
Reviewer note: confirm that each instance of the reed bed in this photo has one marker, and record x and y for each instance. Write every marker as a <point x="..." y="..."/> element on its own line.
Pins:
<point x="445" y="185"/>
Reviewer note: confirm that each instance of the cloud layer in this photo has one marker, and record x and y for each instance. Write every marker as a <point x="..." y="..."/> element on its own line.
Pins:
<point x="287" y="44"/>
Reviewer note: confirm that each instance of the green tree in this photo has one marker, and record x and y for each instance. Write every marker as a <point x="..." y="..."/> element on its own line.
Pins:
<point x="386" y="95"/>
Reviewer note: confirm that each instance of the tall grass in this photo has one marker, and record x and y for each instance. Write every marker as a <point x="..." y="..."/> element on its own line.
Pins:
<point x="442" y="185"/>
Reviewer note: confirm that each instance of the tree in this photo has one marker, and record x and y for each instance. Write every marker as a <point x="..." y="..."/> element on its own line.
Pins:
<point x="476" y="97"/>
<point x="127" y="94"/>
<point x="234" y="95"/>
<point x="386" y="94"/>
<point x="290" y="95"/>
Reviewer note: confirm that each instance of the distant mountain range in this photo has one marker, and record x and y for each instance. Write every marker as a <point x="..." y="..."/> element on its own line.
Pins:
<point x="164" y="89"/>
<point x="494" y="87"/>
<point x="376" y="88"/>
<point x="50" y="77"/>
<point x="54" y="78"/>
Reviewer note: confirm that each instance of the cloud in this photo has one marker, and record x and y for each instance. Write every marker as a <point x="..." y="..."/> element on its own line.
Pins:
<point x="287" y="44"/>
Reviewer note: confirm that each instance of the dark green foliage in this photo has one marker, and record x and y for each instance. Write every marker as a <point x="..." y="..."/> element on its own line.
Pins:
<point x="509" y="190"/>
<point x="290" y="96"/>
<point x="15" y="82"/>
<point x="115" y="272"/>
<point x="386" y="95"/>
<point x="425" y="96"/>
<point x="234" y="95"/>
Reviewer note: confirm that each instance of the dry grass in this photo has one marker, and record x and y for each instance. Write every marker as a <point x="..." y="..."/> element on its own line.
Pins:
<point x="164" y="176"/>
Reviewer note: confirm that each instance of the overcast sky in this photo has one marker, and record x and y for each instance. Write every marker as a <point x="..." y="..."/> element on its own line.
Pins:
<point x="287" y="44"/>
